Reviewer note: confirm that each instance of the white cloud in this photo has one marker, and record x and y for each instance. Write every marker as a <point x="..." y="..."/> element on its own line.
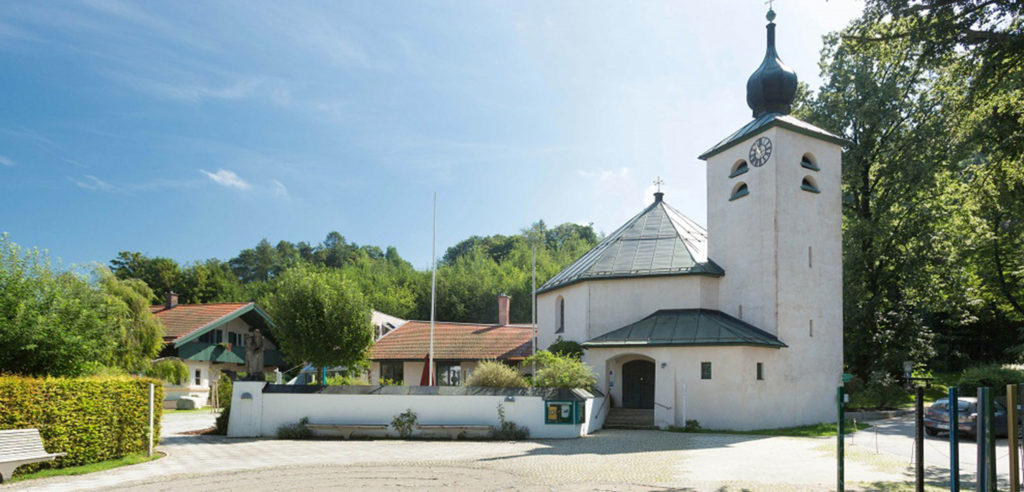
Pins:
<point x="6" y="161"/>
<point x="279" y="189"/>
<point x="227" y="178"/>
<point x="91" y="182"/>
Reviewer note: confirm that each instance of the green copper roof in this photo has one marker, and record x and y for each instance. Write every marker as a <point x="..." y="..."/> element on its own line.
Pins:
<point x="685" y="327"/>
<point x="767" y="121"/>
<point x="657" y="241"/>
<point x="215" y="352"/>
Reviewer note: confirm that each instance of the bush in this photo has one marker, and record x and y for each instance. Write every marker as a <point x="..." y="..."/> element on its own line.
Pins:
<point x="221" y="424"/>
<point x="224" y="387"/>
<point x="508" y="430"/>
<point x="566" y="347"/>
<point x="404" y="423"/>
<point x="173" y="371"/>
<point x="346" y="380"/>
<point x="993" y="376"/>
<point x="91" y="419"/>
<point x="295" y="431"/>
<point x="560" y="371"/>
<point x="494" y="374"/>
<point x="880" y="391"/>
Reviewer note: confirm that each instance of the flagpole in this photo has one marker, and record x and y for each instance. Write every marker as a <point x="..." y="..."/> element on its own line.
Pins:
<point x="533" y="314"/>
<point x="433" y="291"/>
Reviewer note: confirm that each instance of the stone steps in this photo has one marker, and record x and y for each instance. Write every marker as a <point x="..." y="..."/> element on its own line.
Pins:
<point x="630" y="418"/>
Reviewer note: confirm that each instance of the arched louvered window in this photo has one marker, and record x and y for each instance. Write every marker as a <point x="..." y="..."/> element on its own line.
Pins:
<point x="808" y="184"/>
<point x="808" y="161"/>
<point x="739" y="168"/>
<point x="739" y="191"/>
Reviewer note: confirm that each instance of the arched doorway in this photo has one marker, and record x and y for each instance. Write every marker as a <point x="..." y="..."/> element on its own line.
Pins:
<point x="638" y="384"/>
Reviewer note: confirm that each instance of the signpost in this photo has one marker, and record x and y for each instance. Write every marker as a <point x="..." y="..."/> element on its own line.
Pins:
<point x="840" y="484"/>
<point x="1011" y="437"/>
<point x="919" y="437"/>
<point x="954" y="440"/>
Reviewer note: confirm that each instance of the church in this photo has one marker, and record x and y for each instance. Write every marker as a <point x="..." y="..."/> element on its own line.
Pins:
<point x="738" y="326"/>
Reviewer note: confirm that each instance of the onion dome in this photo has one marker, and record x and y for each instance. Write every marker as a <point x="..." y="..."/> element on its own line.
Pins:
<point x="772" y="87"/>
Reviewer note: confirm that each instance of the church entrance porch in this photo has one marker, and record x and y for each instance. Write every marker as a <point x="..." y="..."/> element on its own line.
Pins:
<point x="638" y="384"/>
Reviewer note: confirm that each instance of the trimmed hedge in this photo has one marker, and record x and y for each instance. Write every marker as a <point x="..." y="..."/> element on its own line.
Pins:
<point x="90" y="419"/>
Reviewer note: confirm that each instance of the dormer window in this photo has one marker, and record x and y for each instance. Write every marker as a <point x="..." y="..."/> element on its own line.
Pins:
<point x="739" y="191"/>
<point x="807" y="161"/>
<point x="808" y="184"/>
<point x="739" y="168"/>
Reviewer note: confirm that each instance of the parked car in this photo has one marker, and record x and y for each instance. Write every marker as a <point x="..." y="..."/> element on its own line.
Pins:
<point x="936" y="417"/>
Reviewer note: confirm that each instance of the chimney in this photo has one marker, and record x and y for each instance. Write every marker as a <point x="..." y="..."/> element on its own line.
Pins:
<point x="503" y="302"/>
<point x="172" y="300"/>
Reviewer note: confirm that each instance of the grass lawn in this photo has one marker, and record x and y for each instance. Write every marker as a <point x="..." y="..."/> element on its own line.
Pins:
<point x="131" y="459"/>
<point x="823" y="429"/>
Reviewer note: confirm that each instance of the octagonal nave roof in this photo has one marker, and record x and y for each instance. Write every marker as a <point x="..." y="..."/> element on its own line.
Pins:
<point x="657" y="241"/>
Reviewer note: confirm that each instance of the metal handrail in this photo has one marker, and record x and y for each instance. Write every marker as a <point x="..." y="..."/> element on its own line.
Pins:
<point x="663" y="406"/>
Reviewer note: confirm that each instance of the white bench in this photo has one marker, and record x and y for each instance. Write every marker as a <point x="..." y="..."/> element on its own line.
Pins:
<point x="21" y="447"/>
<point x="347" y="430"/>
<point x="456" y="430"/>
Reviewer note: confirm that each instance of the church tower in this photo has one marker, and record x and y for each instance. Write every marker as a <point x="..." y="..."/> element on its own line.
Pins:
<point x="774" y="226"/>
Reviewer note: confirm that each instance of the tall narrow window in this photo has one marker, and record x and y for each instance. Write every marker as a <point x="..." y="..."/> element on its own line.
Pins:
<point x="560" y="315"/>
<point x="705" y="370"/>
<point x="760" y="371"/>
<point x="199" y="377"/>
<point x="810" y="257"/>
<point x="741" y="311"/>
<point x="810" y="327"/>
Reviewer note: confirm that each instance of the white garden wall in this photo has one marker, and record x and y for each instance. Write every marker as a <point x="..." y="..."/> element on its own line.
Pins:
<point x="255" y="413"/>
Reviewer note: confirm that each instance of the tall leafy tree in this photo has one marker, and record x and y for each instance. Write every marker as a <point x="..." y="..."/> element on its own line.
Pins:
<point x="320" y="317"/>
<point x="140" y="333"/>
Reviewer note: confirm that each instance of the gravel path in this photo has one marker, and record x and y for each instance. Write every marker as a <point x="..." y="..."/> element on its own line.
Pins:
<point x="608" y="460"/>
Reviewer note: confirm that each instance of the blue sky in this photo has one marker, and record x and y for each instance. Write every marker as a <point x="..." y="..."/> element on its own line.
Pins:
<point x="192" y="130"/>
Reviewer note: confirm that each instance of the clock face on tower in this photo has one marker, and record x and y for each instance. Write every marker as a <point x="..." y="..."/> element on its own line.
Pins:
<point x="760" y="152"/>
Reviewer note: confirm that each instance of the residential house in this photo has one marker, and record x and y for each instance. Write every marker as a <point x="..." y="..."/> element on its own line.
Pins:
<point x="210" y="339"/>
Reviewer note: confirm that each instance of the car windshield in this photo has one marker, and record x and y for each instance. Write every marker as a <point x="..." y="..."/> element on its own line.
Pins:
<point x="943" y="405"/>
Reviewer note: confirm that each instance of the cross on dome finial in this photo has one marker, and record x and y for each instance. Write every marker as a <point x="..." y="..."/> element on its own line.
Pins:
<point x="658" y="182"/>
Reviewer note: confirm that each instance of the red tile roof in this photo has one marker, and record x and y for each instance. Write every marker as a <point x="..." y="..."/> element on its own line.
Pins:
<point x="183" y="319"/>
<point x="454" y="341"/>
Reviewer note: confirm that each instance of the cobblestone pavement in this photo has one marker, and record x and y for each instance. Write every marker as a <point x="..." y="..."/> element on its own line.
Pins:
<point x="608" y="460"/>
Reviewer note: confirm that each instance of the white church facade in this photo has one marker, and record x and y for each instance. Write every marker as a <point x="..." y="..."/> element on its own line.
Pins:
<point x="738" y="326"/>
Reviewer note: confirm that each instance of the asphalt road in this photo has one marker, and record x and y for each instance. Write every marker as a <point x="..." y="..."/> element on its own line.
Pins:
<point x="896" y="437"/>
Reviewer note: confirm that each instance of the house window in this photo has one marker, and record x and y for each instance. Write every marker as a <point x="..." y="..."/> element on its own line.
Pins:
<point x="738" y="169"/>
<point x="560" y="315"/>
<point x="199" y="377"/>
<point x="212" y="336"/>
<point x="739" y="191"/>
<point x="810" y="325"/>
<point x="760" y="371"/>
<point x="705" y="370"/>
<point x="393" y="370"/>
<point x="449" y="374"/>
<point x="808" y="184"/>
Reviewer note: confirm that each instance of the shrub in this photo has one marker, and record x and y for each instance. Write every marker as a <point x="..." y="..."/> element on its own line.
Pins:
<point x="224" y="388"/>
<point x="404" y="423"/>
<point x="566" y="347"/>
<point x="221" y="424"/>
<point x="993" y="376"/>
<point x="172" y="370"/>
<point x="881" y="391"/>
<point x="560" y="371"/>
<point x="494" y="374"/>
<point x="390" y="382"/>
<point x="91" y="419"/>
<point x="295" y="431"/>
<point x="508" y="430"/>
<point x="346" y="380"/>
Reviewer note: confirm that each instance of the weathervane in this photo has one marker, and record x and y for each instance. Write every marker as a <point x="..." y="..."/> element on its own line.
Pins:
<point x="769" y="3"/>
<point x="658" y="182"/>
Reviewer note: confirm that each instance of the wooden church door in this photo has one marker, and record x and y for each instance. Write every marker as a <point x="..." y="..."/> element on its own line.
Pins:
<point x="638" y="384"/>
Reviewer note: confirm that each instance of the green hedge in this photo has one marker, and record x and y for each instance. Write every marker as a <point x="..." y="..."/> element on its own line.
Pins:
<point x="90" y="419"/>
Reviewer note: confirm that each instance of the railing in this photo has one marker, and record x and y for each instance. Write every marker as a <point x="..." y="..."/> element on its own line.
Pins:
<point x="666" y="407"/>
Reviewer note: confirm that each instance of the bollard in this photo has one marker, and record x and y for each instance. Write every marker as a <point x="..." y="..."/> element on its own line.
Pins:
<point x="149" y="449"/>
<point x="954" y="440"/>
<point x="1011" y="435"/>
<point x="990" y="443"/>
